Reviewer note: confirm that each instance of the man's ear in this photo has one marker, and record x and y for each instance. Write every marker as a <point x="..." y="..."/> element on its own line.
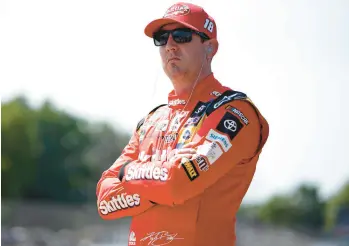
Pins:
<point x="211" y="48"/>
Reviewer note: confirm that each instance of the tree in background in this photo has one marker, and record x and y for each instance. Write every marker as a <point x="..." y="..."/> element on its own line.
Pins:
<point x="20" y="148"/>
<point x="49" y="154"/>
<point x="301" y="209"/>
<point x="337" y="209"/>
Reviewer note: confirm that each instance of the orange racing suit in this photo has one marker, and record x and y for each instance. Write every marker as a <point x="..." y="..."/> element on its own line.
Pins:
<point x="190" y="201"/>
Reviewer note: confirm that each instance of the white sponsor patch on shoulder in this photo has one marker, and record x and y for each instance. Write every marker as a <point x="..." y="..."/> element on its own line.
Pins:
<point x="211" y="150"/>
<point x="217" y="137"/>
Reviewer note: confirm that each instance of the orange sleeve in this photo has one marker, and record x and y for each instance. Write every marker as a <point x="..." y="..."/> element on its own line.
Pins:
<point x="113" y="199"/>
<point x="229" y="135"/>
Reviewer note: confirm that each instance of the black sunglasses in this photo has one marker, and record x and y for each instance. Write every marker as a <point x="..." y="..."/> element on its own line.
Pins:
<point x="179" y="35"/>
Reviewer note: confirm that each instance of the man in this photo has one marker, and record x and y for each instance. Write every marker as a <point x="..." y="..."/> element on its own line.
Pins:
<point x="189" y="163"/>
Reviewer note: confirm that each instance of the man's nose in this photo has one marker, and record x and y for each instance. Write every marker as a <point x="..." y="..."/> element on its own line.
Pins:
<point x="171" y="44"/>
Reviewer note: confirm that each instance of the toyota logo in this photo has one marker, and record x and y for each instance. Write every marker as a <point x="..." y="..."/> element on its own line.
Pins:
<point x="230" y="125"/>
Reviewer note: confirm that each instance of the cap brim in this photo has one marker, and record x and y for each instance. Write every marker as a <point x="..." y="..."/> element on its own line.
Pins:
<point x="155" y="25"/>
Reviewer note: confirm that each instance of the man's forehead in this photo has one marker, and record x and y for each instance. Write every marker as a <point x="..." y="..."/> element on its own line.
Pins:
<point x="173" y="25"/>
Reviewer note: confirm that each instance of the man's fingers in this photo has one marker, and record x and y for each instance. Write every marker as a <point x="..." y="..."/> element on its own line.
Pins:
<point x="180" y="156"/>
<point x="186" y="151"/>
<point x="183" y="153"/>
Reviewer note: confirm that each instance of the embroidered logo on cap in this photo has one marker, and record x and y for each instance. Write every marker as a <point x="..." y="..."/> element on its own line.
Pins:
<point x="177" y="10"/>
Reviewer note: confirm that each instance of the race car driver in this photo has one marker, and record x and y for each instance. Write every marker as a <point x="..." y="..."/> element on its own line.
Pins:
<point x="189" y="163"/>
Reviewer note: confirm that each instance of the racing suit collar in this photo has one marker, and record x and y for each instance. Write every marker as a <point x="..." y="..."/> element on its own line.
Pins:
<point x="203" y="87"/>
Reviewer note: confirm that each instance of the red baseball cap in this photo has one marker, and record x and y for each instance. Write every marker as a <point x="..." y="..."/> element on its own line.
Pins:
<point x="187" y="14"/>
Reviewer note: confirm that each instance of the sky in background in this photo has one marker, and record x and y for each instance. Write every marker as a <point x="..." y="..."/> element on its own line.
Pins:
<point x="92" y="58"/>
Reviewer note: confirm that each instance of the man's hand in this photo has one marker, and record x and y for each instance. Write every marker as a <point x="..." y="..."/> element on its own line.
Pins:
<point x="186" y="152"/>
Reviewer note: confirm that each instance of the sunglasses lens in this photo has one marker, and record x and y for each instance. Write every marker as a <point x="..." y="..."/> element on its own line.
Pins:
<point x="182" y="36"/>
<point x="178" y="35"/>
<point x="160" y="38"/>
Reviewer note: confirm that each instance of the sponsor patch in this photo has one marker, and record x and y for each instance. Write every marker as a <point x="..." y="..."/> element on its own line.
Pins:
<point x="186" y="134"/>
<point x="193" y="121"/>
<point x="217" y="137"/>
<point x="230" y="125"/>
<point x="142" y="134"/>
<point x="224" y="100"/>
<point x="215" y="93"/>
<point x="176" y="102"/>
<point x="132" y="238"/>
<point x="238" y="113"/>
<point x="190" y="170"/>
<point x="170" y="138"/>
<point x="175" y="123"/>
<point x="211" y="150"/>
<point x="138" y="172"/>
<point x="162" y="125"/>
<point x="179" y="145"/>
<point x="199" y="109"/>
<point x="153" y="119"/>
<point x="149" y="123"/>
<point x="196" y="114"/>
<point x="226" y="97"/>
<point x="177" y="10"/>
<point x="121" y="201"/>
<point x="202" y="163"/>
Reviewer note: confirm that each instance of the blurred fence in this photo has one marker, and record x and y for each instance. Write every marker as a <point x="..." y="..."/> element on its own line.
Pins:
<point x="44" y="224"/>
<point x="51" y="224"/>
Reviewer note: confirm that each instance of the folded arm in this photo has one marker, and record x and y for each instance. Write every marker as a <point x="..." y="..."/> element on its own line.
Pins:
<point x="224" y="140"/>
<point x="115" y="201"/>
